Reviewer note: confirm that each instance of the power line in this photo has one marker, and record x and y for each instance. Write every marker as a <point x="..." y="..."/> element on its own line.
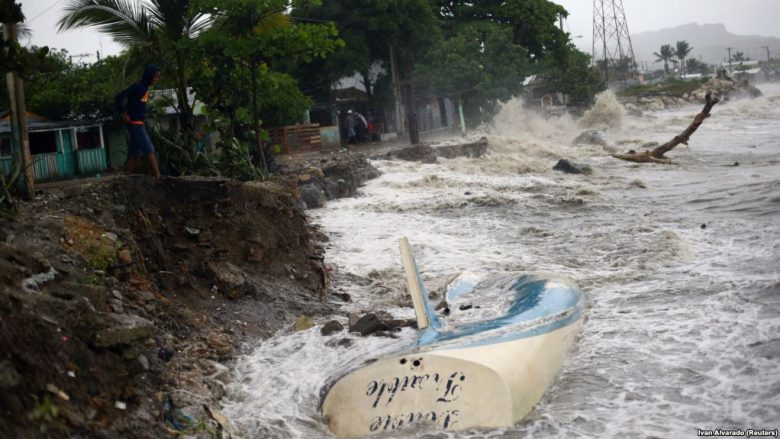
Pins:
<point x="47" y="10"/>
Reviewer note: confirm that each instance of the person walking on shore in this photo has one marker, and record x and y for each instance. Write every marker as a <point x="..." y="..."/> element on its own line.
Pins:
<point x="133" y="114"/>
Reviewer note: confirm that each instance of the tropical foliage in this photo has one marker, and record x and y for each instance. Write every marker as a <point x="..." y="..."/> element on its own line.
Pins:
<point x="666" y="55"/>
<point x="154" y="30"/>
<point x="479" y="64"/>
<point x="681" y="51"/>
<point x="256" y="63"/>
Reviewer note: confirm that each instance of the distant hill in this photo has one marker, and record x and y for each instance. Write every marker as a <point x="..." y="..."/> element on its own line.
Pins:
<point x="709" y="41"/>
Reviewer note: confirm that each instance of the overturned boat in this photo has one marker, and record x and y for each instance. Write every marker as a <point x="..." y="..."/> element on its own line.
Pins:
<point x="487" y="370"/>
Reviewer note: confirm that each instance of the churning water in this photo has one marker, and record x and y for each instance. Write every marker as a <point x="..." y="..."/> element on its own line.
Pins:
<point x="681" y="266"/>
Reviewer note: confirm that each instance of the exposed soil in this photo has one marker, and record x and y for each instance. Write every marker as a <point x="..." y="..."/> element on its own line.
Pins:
<point x="120" y="297"/>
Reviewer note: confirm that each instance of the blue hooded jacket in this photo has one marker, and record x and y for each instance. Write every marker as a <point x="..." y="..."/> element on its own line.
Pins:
<point x="137" y="95"/>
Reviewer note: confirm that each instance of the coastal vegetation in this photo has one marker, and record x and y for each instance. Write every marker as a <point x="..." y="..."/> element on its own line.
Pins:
<point x="671" y="87"/>
<point x="258" y="64"/>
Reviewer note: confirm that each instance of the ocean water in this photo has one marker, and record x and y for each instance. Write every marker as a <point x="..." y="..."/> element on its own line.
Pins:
<point x="680" y="264"/>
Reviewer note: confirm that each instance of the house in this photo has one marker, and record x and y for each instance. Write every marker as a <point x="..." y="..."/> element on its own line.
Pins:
<point x="59" y="149"/>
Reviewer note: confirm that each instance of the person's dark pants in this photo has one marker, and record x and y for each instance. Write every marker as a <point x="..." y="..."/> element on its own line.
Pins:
<point x="140" y="143"/>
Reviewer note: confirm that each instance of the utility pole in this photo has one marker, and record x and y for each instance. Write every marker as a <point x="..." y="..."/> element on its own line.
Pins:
<point x="611" y="38"/>
<point x="19" y="141"/>
<point x="768" y="58"/>
<point x="731" y="69"/>
<point x="399" y="100"/>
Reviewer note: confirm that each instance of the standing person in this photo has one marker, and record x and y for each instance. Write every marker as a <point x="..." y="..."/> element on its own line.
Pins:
<point x="350" y="125"/>
<point x="361" y="127"/>
<point x="133" y="114"/>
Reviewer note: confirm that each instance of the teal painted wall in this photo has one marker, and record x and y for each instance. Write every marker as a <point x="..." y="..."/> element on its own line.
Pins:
<point x="65" y="147"/>
<point x="91" y="161"/>
<point x="117" y="139"/>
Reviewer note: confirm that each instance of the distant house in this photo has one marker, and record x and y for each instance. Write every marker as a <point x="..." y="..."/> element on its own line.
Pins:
<point x="59" y="149"/>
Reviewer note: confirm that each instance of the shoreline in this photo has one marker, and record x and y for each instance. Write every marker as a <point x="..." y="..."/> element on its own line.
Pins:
<point x="142" y="293"/>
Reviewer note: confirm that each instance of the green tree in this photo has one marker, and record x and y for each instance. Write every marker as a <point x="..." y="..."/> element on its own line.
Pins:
<point x="60" y="89"/>
<point x="681" y="52"/>
<point x="479" y="64"/>
<point x="533" y="22"/>
<point x="577" y="78"/>
<point x="254" y="36"/>
<point x="162" y="30"/>
<point x="534" y="26"/>
<point x="693" y="65"/>
<point x="383" y="31"/>
<point x="739" y="57"/>
<point x="666" y="55"/>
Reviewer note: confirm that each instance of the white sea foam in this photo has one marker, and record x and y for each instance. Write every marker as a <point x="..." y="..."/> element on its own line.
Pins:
<point x="681" y="332"/>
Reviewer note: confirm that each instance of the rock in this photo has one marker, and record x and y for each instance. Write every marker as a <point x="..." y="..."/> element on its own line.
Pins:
<point x="369" y="324"/>
<point x="343" y="296"/>
<point x="331" y="327"/>
<point x="9" y="376"/>
<point x="470" y="149"/>
<point x="353" y="319"/>
<point x="341" y="342"/>
<point x="165" y="354"/>
<point x="143" y="361"/>
<point x="116" y="294"/>
<point x="220" y="345"/>
<point x="592" y="137"/>
<point x="402" y="323"/>
<point x="312" y="195"/>
<point x="116" y="306"/>
<point x="415" y="153"/>
<point x="96" y="295"/>
<point x="384" y="316"/>
<point x="123" y="330"/>
<point x="303" y="323"/>
<point x="124" y="256"/>
<point x="572" y="168"/>
<point x="231" y="279"/>
<point x="110" y="236"/>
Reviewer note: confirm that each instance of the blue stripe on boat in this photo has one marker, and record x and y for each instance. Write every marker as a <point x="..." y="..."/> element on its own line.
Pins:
<point x="541" y="305"/>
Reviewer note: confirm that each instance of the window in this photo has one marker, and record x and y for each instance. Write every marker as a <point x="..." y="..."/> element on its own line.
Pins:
<point x="5" y="147"/>
<point x="43" y="142"/>
<point x="88" y="138"/>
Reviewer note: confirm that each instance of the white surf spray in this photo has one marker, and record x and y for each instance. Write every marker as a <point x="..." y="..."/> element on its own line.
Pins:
<point x="679" y="264"/>
<point x="607" y="113"/>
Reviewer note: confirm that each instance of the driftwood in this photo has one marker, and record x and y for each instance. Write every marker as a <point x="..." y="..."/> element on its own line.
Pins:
<point x="657" y="155"/>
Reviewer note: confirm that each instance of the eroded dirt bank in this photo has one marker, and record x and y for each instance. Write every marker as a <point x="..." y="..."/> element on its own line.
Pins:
<point x="120" y="299"/>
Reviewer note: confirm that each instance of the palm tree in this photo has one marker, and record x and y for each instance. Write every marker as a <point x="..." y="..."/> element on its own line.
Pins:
<point x="666" y="55"/>
<point x="682" y="51"/>
<point x="158" y="28"/>
<point x="739" y="57"/>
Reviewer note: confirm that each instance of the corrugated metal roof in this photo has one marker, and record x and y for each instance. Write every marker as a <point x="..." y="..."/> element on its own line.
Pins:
<point x="49" y="125"/>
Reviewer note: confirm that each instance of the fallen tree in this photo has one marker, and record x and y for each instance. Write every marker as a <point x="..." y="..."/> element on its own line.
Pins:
<point x="657" y="155"/>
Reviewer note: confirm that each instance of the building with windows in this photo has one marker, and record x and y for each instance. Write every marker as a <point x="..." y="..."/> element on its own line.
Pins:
<point x="59" y="149"/>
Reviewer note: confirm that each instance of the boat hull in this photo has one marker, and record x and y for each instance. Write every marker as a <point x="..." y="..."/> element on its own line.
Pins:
<point x="491" y="385"/>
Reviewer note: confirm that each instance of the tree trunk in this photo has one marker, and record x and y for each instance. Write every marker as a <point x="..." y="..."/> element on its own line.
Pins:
<point x="399" y="106"/>
<point x="18" y="114"/>
<point x="185" y="111"/>
<point x="256" y="118"/>
<point x="367" y="84"/>
<point x="657" y="154"/>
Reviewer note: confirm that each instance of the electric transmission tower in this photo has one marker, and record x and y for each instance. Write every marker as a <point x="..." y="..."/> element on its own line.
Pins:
<point x="612" y="50"/>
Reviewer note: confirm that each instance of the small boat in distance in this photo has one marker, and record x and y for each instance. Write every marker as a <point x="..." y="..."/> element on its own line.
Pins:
<point x="484" y="371"/>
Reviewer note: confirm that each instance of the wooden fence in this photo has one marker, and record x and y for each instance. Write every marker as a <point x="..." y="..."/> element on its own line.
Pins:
<point x="296" y="138"/>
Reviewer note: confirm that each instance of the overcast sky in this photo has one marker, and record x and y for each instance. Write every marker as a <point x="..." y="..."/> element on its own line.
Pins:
<point x="743" y="17"/>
